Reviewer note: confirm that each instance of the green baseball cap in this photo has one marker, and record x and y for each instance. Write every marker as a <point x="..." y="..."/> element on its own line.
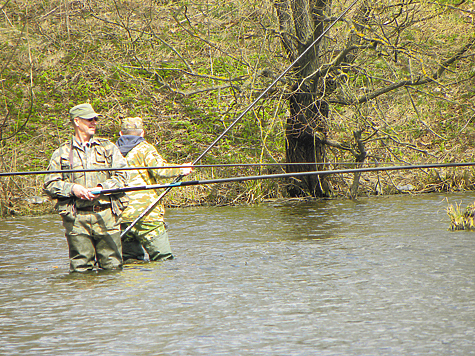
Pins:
<point x="83" y="111"/>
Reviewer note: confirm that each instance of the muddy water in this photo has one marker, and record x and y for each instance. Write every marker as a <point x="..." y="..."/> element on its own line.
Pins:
<point x="379" y="276"/>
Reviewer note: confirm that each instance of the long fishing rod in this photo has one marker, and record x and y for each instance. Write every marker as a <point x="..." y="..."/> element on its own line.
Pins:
<point x="282" y="175"/>
<point x="225" y="165"/>
<point x="279" y="77"/>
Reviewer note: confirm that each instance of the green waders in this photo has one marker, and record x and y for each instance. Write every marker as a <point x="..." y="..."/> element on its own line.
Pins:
<point x="93" y="238"/>
<point x="152" y="236"/>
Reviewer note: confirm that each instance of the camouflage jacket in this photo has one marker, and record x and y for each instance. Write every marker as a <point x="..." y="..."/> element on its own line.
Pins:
<point x="145" y="155"/>
<point x="73" y="155"/>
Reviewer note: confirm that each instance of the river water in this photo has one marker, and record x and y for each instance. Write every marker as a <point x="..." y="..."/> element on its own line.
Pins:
<point x="377" y="276"/>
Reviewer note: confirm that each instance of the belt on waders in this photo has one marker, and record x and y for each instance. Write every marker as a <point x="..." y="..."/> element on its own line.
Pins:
<point x="94" y="208"/>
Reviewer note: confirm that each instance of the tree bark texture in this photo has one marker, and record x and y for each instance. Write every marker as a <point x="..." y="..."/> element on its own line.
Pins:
<point x="306" y="126"/>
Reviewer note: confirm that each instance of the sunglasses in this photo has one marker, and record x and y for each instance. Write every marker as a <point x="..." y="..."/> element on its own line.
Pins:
<point x="96" y="119"/>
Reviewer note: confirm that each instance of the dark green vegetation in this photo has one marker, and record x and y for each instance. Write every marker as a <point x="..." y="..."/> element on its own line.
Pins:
<point x="190" y="67"/>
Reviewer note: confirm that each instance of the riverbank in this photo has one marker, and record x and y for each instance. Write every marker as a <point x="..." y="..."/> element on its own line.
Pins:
<point x="190" y="71"/>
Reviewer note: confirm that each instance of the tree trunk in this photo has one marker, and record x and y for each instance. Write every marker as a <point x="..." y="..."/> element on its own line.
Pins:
<point x="303" y="144"/>
<point x="306" y="126"/>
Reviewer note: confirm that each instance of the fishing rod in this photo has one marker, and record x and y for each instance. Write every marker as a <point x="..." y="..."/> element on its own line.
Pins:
<point x="275" y="176"/>
<point x="279" y="77"/>
<point x="225" y="165"/>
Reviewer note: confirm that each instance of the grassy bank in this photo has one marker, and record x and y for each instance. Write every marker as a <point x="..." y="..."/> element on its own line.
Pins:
<point x="189" y="69"/>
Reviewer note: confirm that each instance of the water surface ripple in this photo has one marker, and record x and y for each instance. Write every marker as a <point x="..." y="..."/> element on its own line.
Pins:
<point x="376" y="276"/>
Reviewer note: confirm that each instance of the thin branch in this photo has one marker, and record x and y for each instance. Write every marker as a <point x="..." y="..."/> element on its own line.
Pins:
<point x="420" y="118"/>
<point x="204" y="90"/>
<point x="14" y="48"/>
<point x="212" y="45"/>
<point x="151" y="34"/>
<point x="30" y="110"/>
<point x="4" y="5"/>
<point x="192" y="74"/>
<point x="412" y="82"/>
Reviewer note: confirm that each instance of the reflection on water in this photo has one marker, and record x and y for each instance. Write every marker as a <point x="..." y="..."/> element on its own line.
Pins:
<point x="379" y="276"/>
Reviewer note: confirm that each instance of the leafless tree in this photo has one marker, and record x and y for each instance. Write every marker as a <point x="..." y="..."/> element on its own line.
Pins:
<point x="379" y="48"/>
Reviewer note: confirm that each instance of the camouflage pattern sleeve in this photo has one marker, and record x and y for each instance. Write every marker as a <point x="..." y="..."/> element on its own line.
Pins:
<point x="55" y="184"/>
<point x="145" y="155"/>
<point x="118" y="179"/>
<point x="154" y="159"/>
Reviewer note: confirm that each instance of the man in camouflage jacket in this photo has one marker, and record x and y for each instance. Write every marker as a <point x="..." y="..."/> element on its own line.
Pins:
<point x="91" y="221"/>
<point x="149" y="232"/>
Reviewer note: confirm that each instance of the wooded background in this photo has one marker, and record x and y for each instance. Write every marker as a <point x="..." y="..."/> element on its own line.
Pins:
<point x="392" y="82"/>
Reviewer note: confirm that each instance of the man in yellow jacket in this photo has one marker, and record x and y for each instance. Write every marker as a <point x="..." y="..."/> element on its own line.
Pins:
<point x="150" y="232"/>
